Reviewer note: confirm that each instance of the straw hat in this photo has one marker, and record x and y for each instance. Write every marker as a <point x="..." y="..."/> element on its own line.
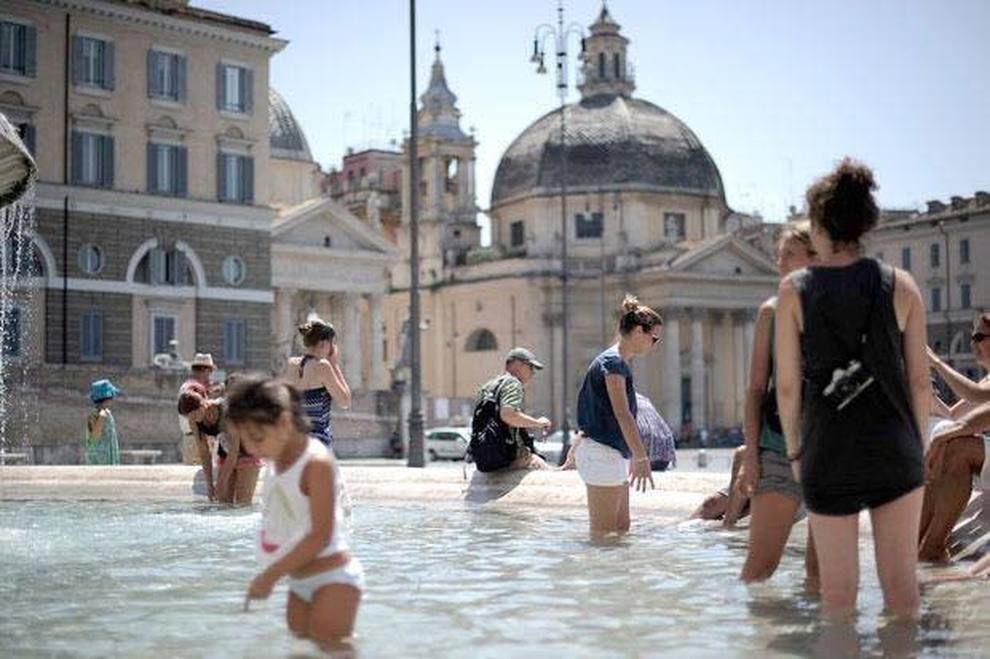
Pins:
<point x="203" y="359"/>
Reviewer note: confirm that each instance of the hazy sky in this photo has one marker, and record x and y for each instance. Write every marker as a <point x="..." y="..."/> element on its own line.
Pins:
<point x="776" y="90"/>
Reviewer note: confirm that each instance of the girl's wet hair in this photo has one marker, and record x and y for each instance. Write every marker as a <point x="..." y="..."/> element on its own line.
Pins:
<point x="842" y="202"/>
<point x="800" y="232"/>
<point x="316" y="330"/>
<point x="634" y="314"/>
<point x="261" y="399"/>
<point x="189" y="401"/>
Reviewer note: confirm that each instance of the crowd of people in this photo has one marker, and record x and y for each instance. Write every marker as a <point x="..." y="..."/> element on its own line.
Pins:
<point x="836" y="422"/>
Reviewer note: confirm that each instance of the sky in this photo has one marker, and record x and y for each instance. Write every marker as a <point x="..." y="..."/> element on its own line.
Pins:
<point x="776" y="90"/>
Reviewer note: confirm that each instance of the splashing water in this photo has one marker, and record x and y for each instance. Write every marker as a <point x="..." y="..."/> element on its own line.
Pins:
<point x="18" y="269"/>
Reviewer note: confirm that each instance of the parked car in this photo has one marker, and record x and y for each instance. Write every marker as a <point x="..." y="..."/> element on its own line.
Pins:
<point x="447" y="443"/>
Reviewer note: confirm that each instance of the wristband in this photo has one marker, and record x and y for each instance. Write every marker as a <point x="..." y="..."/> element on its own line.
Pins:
<point x="644" y="459"/>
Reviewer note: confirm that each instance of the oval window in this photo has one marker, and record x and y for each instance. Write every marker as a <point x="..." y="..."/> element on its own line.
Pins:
<point x="90" y="259"/>
<point x="234" y="270"/>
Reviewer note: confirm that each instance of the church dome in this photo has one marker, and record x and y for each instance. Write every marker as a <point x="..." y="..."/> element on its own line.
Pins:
<point x="613" y="140"/>
<point x="285" y="133"/>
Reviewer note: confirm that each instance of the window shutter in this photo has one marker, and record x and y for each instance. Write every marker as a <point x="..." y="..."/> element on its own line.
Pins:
<point x="242" y="341"/>
<point x="152" y="152"/>
<point x="247" y="90"/>
<point x="28" y="137"/>
<point x="228" y="345"/>
<point x="77" y="156"/>
<point x="156" y="261"/>
<point x="108" y="81"/>
<point x="180" y="78"/>
<point x="31" y="51"/>
<point x="178" y="268"/>
<point x="98" y="335"/>
<point x="221" y="177"/>
<point x="247" y="180"/>
<point x="152" y="78"/>
<point x="220" y="87"/>
<point x="77" y="59"/>
<point x="181" y="171"/>
<point x="106" y="161"/>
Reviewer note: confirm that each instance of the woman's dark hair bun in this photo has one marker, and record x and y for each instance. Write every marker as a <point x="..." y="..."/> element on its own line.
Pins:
<point x="842" y="203"/>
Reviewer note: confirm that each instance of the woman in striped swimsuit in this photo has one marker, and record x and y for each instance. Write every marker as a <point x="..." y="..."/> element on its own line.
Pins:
<point x="317" y="376"/>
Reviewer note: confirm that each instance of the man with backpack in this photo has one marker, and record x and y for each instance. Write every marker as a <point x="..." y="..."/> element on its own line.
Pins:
<point x="499" y="429"/>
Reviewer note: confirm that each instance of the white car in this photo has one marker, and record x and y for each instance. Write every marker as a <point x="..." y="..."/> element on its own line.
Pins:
<point x="448" y="443"/>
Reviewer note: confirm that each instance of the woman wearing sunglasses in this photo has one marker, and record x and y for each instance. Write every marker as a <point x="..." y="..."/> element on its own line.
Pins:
<point x="612" y="453"/>
<point x="958" y="453"/>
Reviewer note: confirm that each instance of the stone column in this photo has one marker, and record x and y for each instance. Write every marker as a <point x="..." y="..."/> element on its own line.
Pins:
<point x="352" y="342"/>
<point x="670" y="390"/>
<point x="377" y="378"/>
<point x="723" y="372"/>
<point x="285" y="329"/>
<point x="739" y="345"/>
<point x="698" y="402"/>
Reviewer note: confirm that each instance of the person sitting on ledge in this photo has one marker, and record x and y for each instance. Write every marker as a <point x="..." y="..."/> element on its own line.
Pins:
<point x="507" y="391"/>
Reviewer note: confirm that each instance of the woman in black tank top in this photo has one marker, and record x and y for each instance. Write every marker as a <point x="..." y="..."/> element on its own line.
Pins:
<point x="852" y="389"/>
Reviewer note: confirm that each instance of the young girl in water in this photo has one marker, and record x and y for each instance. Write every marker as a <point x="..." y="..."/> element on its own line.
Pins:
<point x="101" y="444"/>
<point x="303" y="534"/>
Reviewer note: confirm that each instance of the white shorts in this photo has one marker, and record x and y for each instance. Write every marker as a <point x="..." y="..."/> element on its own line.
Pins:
<point x="349" y="574"/>
<point x="600" y="465"/>
<point x="982" y="481"/>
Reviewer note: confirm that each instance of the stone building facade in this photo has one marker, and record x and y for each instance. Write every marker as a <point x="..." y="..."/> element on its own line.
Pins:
<point x="645" y="213"/>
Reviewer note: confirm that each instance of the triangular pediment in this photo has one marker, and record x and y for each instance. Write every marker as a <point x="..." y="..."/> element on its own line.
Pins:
<point x="323" y="222"/>
<point x="724" y="256"/>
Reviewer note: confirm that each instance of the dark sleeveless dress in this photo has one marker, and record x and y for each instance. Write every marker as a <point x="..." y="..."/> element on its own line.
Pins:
<point x="870" y="452"/>
<point x="316" y="404"/>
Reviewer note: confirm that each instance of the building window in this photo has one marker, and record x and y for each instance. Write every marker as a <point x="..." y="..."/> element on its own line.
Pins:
<point x="601" y="65"/>
<point x="936" y="299"/>
<point x="933" y="256"/>
<point x="18" y="49"/>
<point x="235" y="89"/>
<point x="616" y="66"/>
<point x="27" y="133"/>
<point x="91" y="336"/>
<point x="166" y="76"/>
<point x="234" y="270"/>
<point x="234" y="341"/>
<point x="964" y="250"/>
<point x="162" y="333"/>
<point x="965" y="296"/>
<point x="481" y="340"/>
<point x="517" y="233"/>
<point x="167" y="169"/>
<point x="673" y="226"/>
<point x="92" y="62"/>
<point x="10" y="332"/>
<point x="235" y="178"/>
<point x="92" y="159"/>
<point x="167" y="267"/>
<point x="589" y="226"/>
<point x="90" y="259"/>
<point x="906" y="258"/>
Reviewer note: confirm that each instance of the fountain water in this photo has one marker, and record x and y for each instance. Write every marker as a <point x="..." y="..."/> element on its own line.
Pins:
<point x="17" y="174"/>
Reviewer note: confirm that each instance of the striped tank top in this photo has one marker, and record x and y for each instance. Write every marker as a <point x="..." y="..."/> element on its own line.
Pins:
<point x="316" y="404"/>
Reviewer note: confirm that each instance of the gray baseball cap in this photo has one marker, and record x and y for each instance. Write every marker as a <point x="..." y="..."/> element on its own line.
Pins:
<point x="524" y="355"/>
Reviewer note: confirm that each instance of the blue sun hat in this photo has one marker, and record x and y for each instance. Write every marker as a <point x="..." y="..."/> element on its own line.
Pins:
<point x="103" y="389"/>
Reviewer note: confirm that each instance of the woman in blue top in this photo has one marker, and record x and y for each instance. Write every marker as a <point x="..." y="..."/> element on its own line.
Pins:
<point x="607" y="417"/>
<point x="318" y="377"/>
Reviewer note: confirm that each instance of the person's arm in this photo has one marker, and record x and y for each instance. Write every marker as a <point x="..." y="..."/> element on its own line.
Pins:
<point x="972" y="423"/>
<point x="333" y="379"/>
<point x="94" y="424"/>
<point x="915" y="341"/>
<point x="939" y="408"/>
<point x="615" y="385"/>
<point x="759" y="377"/>
<point x="206" y="461"/>
<point x="787" y="341"/>
<point x="318" y="485"/>
<point x="519" y="419"/>
<point x="962" y="386"/>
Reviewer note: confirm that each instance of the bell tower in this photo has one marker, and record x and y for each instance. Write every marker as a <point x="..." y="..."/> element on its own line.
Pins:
<point x="605" y="69"/>
<point x="448" y="225"/>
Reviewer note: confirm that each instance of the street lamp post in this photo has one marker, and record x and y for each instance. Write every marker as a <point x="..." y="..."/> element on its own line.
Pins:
<point x="417" y="453"/>
<point x="560" y="34"/>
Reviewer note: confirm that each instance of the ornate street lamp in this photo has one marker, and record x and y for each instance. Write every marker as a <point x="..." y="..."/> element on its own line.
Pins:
<point x="560" y="35"/>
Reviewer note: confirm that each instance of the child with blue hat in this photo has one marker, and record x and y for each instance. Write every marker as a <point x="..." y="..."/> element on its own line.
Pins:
<point x="101" y="444"/>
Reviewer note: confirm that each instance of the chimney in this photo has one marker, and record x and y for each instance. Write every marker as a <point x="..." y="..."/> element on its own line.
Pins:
<point x="982" y="198"/>
<point x="958" y="203"/>
<point x="935" y="206"/>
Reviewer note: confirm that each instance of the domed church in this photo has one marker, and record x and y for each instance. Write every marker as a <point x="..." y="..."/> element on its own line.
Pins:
<point x="645" y="213"/>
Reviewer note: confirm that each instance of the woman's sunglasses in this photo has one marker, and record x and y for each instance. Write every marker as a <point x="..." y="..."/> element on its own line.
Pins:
<point x="978" y="337"/>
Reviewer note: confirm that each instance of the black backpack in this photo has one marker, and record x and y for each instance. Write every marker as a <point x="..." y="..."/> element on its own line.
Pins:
<point x="492" y="446"/>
